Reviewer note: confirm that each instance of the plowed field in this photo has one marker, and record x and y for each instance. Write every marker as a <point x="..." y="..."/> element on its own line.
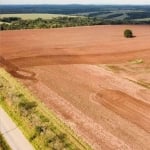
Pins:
<point x="97" y="81"/>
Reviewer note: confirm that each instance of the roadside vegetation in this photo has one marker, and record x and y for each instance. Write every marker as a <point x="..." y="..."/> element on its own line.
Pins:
<point x="3" y="143"/>
<point x="40" y="125"/>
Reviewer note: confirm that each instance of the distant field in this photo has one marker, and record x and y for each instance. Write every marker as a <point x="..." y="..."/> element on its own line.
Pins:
<point x="1" y="22"/>
<point x="113" y="14"/>
<point x="33" y="16"/>
<point x="142" y="19"/>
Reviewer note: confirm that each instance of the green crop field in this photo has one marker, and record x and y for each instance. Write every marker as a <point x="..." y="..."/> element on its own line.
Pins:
<point x="34" y="16"/>
<point x="39" y="124"/>
<point x="142" y="19"/>
<point x="1" y="22"/>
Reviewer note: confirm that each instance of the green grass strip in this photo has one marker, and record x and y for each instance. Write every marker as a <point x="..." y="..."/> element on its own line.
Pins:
<point x="3" y="143"/>
<point x="39" y="124"/>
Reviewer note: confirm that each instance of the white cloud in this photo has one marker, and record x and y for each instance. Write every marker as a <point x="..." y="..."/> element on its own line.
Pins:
<point x="75" y="1"/>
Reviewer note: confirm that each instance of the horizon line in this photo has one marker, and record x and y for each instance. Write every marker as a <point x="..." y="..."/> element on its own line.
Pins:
<point x="77" y="4"/>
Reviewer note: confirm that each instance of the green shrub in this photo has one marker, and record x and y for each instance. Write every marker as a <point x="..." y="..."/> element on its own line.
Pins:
<point x="128" y="33"/>
<point x="2" y="98"/>
<point x="43" y="118"/>
<point x="39" y="130"/>
<point x="27" y="105"/>
<point x="3" y="144"/>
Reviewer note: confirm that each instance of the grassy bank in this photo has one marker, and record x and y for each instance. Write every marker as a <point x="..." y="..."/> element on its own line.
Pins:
<point x="3" y="144"/>
<point x="40" y="125"/>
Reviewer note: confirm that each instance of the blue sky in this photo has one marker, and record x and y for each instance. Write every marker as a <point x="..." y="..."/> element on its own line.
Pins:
<point x="75" y="2"/>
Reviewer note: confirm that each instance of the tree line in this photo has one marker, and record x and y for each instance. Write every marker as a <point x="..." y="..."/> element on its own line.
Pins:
<point x="14" y="23"/>
<point x="48" y="23"/>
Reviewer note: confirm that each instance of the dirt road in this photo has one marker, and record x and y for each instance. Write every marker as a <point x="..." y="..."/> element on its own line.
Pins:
<point x="12" y="134"/>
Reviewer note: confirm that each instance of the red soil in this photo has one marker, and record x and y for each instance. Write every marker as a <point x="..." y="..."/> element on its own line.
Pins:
<point x="98" y="40"/>
<point x="106" y="109"/>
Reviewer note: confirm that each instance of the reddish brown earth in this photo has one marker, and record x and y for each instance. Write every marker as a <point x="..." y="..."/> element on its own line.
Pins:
<point x="107" y="107"/>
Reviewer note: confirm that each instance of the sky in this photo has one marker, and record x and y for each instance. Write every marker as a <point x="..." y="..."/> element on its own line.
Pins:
<point x="136" y="2"/>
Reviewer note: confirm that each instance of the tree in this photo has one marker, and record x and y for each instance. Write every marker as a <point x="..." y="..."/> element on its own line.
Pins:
<point x="128" y="33"/>
<point x="1" y="27"/>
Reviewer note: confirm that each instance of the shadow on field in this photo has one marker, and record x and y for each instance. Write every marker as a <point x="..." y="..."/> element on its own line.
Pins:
<point x="105" y="58"/>
<point x="15" y="65"/>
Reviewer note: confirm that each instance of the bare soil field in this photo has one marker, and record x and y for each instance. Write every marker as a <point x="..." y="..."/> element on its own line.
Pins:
<point x="95" y="80"/>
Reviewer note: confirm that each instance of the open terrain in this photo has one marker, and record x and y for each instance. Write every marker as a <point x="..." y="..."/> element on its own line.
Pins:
<point x="96" y="80"/>
<point x="33" y="16"/>
<point x="106" y="12"/>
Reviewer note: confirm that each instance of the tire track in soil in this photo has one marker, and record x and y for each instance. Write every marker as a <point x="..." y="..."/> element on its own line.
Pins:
<point x="42" y="60"/>
<point x="16" y="71"/>
<point x="134" y="110"/>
